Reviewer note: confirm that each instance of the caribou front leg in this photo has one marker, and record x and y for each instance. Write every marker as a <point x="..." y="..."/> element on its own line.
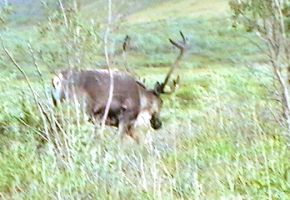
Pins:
<point x="131" y="132"/>
<point x="126" y="125"/>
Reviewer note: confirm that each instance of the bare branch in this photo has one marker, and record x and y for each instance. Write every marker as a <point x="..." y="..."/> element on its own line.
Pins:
<point x="22" y="72"/>
<point x="37" y="68"/>
<point x="63" y="13"/>
<point x="44" y="115"/>
<point x="111" y="90"/>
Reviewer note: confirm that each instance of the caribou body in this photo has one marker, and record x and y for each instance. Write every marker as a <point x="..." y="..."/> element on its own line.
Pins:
<point x="91" y="87"/>
<point x="130" y="97"/>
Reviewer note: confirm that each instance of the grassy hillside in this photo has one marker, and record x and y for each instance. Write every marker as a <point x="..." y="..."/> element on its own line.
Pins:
<point x="176" y="9"/>
<point x="220" y="137"/>
<point x="29" y="12"/>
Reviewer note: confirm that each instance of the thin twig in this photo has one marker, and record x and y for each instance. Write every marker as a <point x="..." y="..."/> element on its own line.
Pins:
<point x="111" y="90"/>
<point x="63" y="13"/>
<point x="37" y="68"/>
<point x="44" y="114"/>
<point x="22" y="72"/>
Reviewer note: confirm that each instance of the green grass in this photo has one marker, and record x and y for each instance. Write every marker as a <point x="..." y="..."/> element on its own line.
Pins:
<point x="220" y="139"/>
<point x="178" y="9"/>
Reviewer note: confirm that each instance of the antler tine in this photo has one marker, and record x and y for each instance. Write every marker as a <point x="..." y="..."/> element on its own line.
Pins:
<point x="181" y="47"/>
<point x="125" y="42"/>
<point x="178" y="45"/>
<point x="183" y="38"/>
<point x="175" y="83"/>
<point x="125" y="46"/>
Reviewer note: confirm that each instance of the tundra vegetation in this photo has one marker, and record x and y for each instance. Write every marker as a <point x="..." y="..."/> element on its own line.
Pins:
<point x="225" y="131"/>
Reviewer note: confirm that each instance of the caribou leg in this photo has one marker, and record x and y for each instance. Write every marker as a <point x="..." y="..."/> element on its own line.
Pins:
<point x="125" y="125"/>
<point x="133" y="134"/>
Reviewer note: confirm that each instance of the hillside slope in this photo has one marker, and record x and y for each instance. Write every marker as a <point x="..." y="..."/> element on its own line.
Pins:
<point x="29" y="12"/>
<point x="32" y="11"/>
<point x="183" y="8"/>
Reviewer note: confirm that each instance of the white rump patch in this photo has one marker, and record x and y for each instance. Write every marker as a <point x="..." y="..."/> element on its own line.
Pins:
<point x="56" y="81"/>
<point x="57" y="86"/>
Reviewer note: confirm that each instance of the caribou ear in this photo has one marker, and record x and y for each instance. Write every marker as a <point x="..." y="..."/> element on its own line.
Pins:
<point x="158" y="88"/>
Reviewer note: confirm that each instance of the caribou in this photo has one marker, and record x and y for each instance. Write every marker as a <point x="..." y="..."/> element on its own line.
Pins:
<point x="130" y="97"/>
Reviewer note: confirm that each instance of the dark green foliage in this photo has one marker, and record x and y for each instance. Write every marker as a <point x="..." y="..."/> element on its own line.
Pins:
<point x="250" y="13"/>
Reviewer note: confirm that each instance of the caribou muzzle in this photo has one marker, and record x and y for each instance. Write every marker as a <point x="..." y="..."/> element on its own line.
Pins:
<point x="155" y="122"/>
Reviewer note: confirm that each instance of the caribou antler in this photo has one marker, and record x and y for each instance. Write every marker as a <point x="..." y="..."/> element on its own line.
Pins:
<point x="159" y="88"/>
<point x="125" y="43"/>
<point x="125" y="47"/>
